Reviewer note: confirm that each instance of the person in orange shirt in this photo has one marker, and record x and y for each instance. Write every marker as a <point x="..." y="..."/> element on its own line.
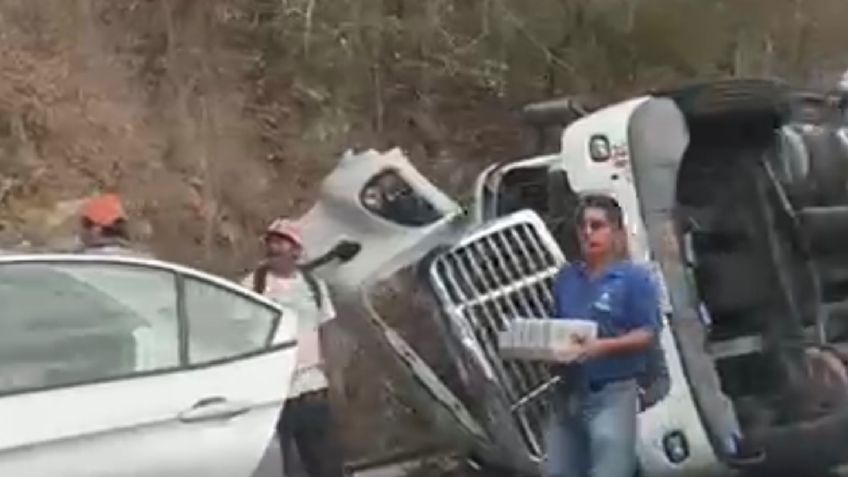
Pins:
<point x="103" y="227"/>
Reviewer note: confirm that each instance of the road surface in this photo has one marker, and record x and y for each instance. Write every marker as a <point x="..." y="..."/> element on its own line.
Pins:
<point x="271" y="466"/>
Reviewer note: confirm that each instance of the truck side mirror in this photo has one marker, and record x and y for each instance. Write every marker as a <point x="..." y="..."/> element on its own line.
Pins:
<point x="346" y="250"/>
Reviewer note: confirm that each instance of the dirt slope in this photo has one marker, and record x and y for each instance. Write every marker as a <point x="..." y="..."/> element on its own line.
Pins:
<point x="169" y="104"/>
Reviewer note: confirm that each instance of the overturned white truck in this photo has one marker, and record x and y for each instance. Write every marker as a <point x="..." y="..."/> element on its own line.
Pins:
<point x="741" y="210"/>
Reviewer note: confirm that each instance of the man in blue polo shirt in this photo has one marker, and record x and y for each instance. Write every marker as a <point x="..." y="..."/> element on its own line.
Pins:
<point x="592" y="431"/>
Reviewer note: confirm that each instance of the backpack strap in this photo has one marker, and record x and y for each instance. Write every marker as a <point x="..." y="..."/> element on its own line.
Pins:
<point x="260" y="278"/>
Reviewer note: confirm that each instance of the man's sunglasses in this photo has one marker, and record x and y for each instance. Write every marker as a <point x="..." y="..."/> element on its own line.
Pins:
<point x="594" y="224"/>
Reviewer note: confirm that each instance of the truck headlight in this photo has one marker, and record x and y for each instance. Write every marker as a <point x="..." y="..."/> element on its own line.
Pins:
<point x="676" y="447"/>
<point x="599" y="148"/>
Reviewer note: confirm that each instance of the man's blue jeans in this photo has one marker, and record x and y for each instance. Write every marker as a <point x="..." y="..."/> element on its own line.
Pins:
<point x="593" y="434"/>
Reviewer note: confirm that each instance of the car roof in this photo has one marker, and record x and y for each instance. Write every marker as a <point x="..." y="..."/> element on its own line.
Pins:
<point x="8" y="257"/>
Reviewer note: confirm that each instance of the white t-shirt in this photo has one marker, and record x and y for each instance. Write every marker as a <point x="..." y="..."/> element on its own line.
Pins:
<point x="294" y="293"/>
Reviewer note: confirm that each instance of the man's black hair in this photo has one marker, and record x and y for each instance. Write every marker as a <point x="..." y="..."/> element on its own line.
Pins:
<point x="603" y="202"/>
<point x="117" y="229"/>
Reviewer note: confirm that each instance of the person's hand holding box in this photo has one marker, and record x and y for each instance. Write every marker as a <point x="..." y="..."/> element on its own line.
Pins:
<point x="570" y="346"/>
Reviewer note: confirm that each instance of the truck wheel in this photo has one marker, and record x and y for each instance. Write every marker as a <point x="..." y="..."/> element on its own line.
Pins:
<point x="474" y="467"/>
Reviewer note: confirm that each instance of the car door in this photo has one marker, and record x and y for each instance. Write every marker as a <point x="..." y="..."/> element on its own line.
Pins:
<point x="113" y="366"/>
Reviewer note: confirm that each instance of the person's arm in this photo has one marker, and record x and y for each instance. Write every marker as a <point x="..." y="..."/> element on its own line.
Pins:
<point x="328" y="310"/>
<point x="337" y="345"/>
<point x="633" y="341"/>
<point x="642" y="314"/>
<point x="327" y="327"/>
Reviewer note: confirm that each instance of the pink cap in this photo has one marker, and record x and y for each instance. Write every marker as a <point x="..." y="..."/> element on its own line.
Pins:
<point x="285" y="228"/>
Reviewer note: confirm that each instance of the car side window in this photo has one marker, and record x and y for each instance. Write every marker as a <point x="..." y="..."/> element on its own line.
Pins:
<point x="223" y="324"/>
<point x="70" y="323"/>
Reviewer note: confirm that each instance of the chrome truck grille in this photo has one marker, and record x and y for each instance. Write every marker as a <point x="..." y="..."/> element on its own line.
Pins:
<point x="501" y="273"/>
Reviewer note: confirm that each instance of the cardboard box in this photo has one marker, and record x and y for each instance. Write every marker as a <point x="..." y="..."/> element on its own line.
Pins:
<point x="537" y="339"/>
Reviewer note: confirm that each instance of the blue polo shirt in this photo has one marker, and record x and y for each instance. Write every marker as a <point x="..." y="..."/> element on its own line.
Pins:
<point x="623" y="298"/>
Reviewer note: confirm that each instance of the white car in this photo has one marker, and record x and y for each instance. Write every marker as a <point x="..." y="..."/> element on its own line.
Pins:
<point x="121" y="366"/>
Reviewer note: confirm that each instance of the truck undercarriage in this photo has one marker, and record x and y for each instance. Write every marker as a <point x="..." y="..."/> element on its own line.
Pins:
<point x="761" y="210"/>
